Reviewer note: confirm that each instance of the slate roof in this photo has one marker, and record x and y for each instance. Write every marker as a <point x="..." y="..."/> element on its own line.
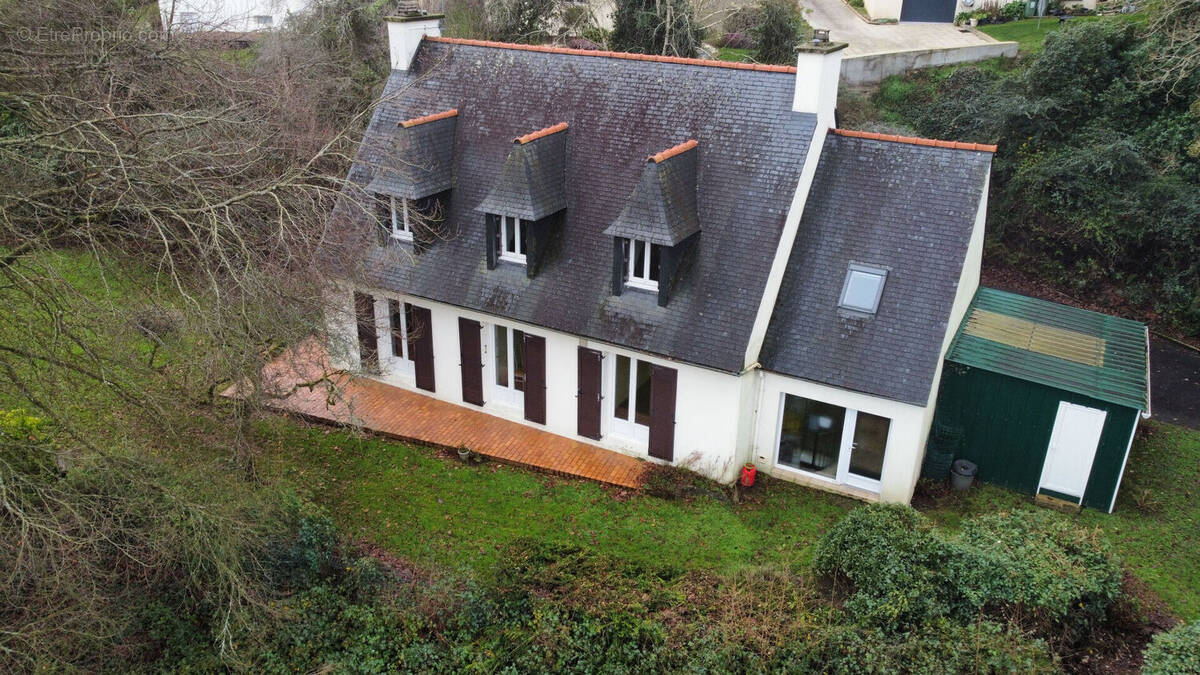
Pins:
<point x="532" y="183"/>
<point x="909" y="208"/>
<point x="662" y="208"/>
<point x="413" y="158"/>
<point x="619" y="111"/>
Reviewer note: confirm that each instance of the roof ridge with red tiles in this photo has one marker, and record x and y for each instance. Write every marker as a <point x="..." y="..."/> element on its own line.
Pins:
<point x="429" y="118"/>
<point x="534" y="135"/>
<point x="913" y="140"/>
<point x="550" y="49"/>
<point x="672" y="151"/>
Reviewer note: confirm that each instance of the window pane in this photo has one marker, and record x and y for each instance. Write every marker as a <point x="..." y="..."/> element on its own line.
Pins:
<point x="642" y="399"/>
<point x="501" y="356"/>
<point x="518" y="339"/>
<point x="404" y="224"/>
<point x="639" y="259"/>
<point x="862" y="288"/>
<point x="870" y="442"/>
<point x="810" y="437"/>
<point x="397" y="328"/>
<point x="414" y="331"/>
<point x="655" y="259"/>
<point x="510" y="235"/>
<point x="621" y="386"/>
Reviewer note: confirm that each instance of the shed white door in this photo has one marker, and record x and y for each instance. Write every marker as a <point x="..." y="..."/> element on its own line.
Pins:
<point x="1072" y="449"/>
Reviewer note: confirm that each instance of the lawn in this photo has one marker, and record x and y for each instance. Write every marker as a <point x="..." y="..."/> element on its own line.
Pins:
<point x="1027" y="32"/>
<point x="434" y="509"/>
<point x="733" y="54"/>
<point x="429" y="506"/>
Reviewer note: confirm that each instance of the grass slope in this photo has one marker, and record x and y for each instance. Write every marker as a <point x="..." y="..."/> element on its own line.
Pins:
<point x="429" y="506"/>
<point x="435" y="509"/>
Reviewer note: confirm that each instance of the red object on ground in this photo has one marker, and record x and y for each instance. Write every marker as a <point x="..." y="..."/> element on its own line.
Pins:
<point x="748" y="473"/>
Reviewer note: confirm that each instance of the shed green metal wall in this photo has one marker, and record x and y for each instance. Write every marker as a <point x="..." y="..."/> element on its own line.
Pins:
<point x="1007" y="423"/>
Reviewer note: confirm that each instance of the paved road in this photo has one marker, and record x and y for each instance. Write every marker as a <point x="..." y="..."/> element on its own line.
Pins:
<point x="1174" y="383"/>
<point x="845" y="25"/>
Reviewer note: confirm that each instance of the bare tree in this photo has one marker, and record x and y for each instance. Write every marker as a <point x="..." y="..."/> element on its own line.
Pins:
<point x="199" y="179"/>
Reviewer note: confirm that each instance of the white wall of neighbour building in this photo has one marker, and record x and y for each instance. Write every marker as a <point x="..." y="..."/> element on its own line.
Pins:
<point x="234" y="16"/>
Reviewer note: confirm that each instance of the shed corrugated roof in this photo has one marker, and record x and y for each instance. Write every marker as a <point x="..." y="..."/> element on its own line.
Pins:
<point x="1056" y="345"/>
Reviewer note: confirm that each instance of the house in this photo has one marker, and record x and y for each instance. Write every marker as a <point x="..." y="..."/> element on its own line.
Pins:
<point x="675" y="259"/>
<point x="928" y="11"/>
<point x="231" y="16"/>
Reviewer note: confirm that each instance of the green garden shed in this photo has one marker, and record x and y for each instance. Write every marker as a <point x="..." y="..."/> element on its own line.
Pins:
<point x="1042" y="397"/>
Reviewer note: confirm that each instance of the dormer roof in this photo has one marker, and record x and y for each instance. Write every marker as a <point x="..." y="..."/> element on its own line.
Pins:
<point x="415" y="159"/>
<point x="619" y="110"/>
<point x="662" y="207"/>
<point x="532" y="182"/>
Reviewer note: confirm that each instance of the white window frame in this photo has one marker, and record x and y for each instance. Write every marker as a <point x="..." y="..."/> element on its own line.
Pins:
<point x="842" y="476"/>
<point x="391" y="363"/>
<point x="401" y="221"/>
<point x="625" y="428"/>
<point x="635" y="278"/>
<point x="506" y="394"/>
<point x="851" y="270"/>
<point x="518" y="255"/>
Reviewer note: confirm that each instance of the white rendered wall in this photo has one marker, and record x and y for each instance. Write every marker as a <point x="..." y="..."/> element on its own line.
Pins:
<point x="883" y="9"/>
<point x="904" y="445"/>
<point x="707" y="402"/>
<point x="235" y="16"/>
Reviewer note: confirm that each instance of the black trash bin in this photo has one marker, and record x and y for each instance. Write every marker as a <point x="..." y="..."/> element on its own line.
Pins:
<point x="962" y="474"/>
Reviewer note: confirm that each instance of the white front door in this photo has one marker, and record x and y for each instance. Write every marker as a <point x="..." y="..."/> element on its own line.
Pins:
<point x="1072" y="449"/>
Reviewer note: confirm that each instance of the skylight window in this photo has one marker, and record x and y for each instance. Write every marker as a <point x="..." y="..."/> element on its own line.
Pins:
<point x="862" y="289"/>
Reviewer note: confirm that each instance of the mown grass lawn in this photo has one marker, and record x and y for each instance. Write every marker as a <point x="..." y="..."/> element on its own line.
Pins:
<point x="733" y="54"/>
<point x="427" y="505"/>
<point x="435" y="509"/>
<point x="1028" y="34"/>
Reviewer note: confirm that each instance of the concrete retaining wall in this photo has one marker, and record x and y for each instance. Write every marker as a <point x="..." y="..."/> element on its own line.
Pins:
<point x="873" y="68"/>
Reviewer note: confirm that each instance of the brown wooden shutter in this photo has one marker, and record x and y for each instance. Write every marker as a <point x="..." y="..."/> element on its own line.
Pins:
<point x="368" y="337"/>
<point x="383" y="213"/>
<point x="619" y="262"/>
<point x="492" y="235"/>
<point x="589" y="395"/>
<point x="535" y="378"/>
<point x="420" y="345"/>
<point x="662" y="412"/>
<point x="471" y="354"/>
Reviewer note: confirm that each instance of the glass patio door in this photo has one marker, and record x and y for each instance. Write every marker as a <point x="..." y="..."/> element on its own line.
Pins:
<point x="831" y="442"/>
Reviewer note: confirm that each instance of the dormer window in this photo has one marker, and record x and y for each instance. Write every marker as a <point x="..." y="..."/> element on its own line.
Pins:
<point x="512" y="239"/>
<point x="862" y="289"/>
<point x="642" y="264"/>
<point x="402" y="226"/>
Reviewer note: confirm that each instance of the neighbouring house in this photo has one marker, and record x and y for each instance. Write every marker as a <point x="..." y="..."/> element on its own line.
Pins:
<point x="227" y="16"/>
<point x="928" y="11"/>
<point x="680" y="260"/>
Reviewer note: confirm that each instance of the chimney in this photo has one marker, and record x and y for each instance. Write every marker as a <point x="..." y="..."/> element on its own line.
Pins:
<point x="405" y="33"/>
<point x="818" y="66"/>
